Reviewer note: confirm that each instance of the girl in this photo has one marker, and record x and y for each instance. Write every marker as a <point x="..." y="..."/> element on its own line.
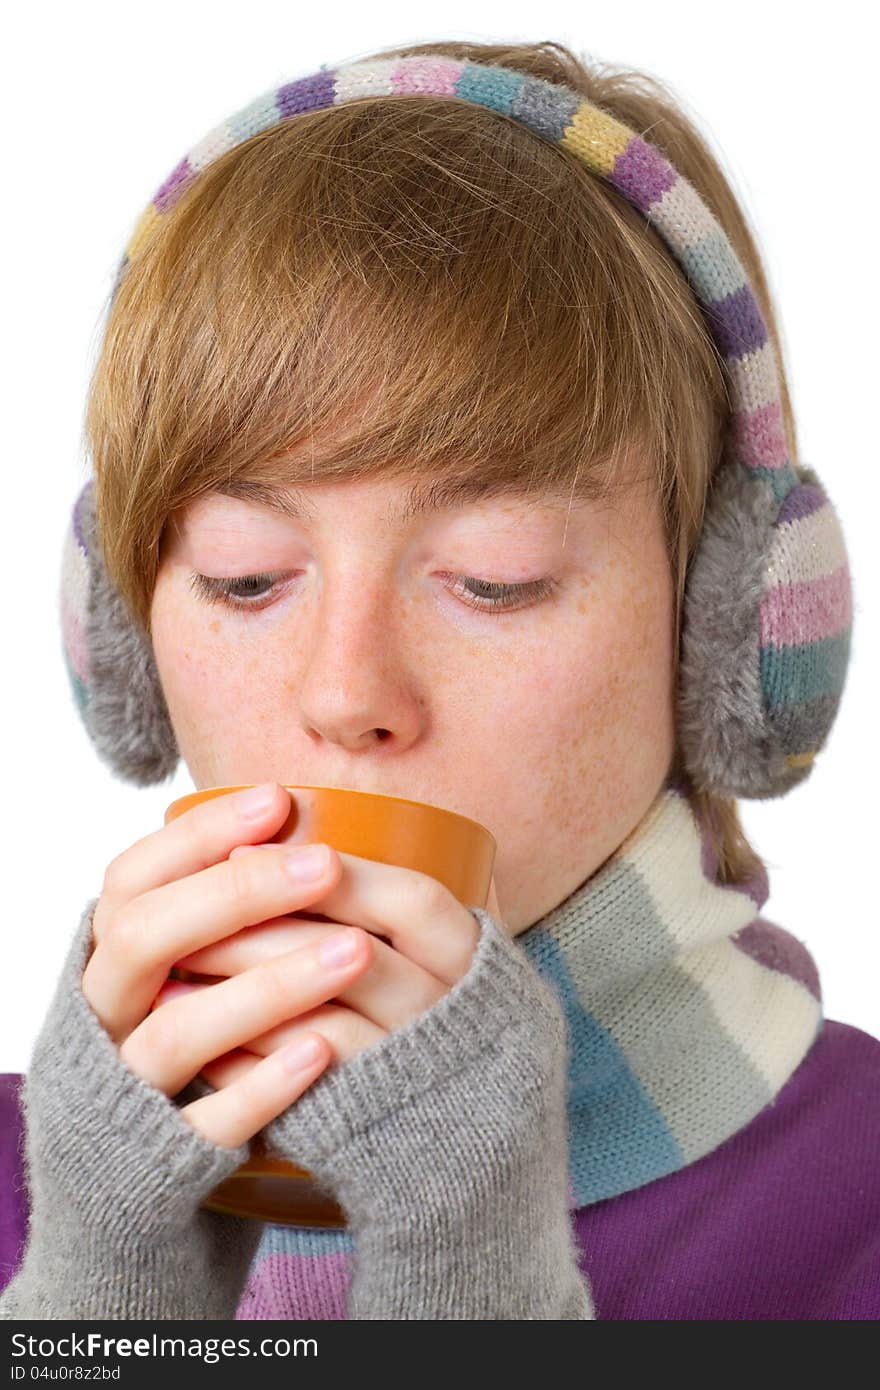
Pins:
<point x="442" y="449"/>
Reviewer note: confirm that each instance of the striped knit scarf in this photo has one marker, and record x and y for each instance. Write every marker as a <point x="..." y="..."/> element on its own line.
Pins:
<point x="687" y="1012"/>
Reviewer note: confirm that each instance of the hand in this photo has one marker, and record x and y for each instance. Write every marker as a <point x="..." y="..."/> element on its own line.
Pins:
<point x="174" y="892"/>
<point x="421" y="941"/>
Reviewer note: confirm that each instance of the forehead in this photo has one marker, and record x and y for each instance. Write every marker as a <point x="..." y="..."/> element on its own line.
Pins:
<point x="403" y="501"/>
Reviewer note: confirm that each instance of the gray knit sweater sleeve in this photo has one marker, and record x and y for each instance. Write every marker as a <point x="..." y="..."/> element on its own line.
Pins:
<point x="116" y="1176"/>
<point x="446" y="1143"/>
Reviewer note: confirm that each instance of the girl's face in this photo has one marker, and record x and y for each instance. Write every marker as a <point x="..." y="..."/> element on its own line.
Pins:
<point x="372" y="658"/>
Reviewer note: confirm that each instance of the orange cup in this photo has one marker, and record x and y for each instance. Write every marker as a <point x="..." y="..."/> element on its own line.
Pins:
<point x="457" y="851"/>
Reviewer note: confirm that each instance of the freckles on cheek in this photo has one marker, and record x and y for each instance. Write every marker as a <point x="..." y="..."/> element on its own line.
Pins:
<point x="569" y="700"/>
<point x="526" y="717"/>
<point x="196" y="666"/>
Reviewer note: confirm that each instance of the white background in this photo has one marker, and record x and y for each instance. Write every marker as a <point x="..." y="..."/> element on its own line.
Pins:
<point x="102" y="100"/>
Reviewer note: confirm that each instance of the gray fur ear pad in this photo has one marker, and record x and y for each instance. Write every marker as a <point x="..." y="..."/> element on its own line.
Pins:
<point x="764" y="647"/>
<point x="110" y="662"/>
<point x="765" y="636"/>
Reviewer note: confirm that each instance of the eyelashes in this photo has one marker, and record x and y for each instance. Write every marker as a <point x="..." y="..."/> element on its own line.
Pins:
<point x="234" y="593"/>
<point x="496" y="597"/>
<point x="253" y="592"/>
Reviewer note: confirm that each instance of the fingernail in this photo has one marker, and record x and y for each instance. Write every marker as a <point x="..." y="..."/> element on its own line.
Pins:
<point x="300" y="1054"/>
<point x="256" y="800"/>
<point x="307" y="862"/>
<point x="339" y="950"/>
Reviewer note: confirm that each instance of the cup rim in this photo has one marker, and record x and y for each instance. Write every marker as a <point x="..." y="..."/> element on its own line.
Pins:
<point x="230" y="788"/>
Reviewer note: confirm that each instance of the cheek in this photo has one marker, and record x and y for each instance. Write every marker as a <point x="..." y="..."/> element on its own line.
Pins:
<point x="582" y="720"/>
<point x="204" y="679"/>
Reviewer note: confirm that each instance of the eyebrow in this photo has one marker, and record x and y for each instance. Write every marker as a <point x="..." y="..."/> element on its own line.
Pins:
<point x="420" y="498"/>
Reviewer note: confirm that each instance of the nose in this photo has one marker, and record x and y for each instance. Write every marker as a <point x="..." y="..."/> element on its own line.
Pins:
<point x="357" y="687"/>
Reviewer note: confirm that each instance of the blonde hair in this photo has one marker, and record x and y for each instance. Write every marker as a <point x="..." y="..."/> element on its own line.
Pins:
<point x="419" y="282"/>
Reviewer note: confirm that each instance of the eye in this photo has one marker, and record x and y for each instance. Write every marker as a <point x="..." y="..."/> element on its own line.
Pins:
<point x="234" y="593"/>
<point x="481" y="594"/>
<point x="493" y="597"/>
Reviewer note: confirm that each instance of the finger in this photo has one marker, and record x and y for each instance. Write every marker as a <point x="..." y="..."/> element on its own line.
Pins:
<point x="173" y="989"/>
<point x="255" y="1096"/>
<point x="253" y="945"/>
<point x="345" y="1031"/>
<point x="445" y="951"/>
<point x="420" y="916"/>
<point x="203" y="835"/>
<point x="175" y="1041"/>
<point x="230" y="1067"/>
<point x="392" y="992"/>
<point x="154" y="930"/>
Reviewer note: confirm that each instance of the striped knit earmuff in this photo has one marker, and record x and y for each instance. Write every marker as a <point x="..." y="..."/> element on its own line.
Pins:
<point x="767" y="616"/>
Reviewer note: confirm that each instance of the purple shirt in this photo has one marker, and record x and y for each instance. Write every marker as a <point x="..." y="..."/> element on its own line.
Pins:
<point x="780" y="1222"/>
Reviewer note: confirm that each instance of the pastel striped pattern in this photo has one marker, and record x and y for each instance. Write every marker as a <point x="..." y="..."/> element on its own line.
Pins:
<point x="805" y="618"/>
<point x="680" y="1034"/>
<point x="687" y="1012"/>
<point x="298" y="1272"/>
